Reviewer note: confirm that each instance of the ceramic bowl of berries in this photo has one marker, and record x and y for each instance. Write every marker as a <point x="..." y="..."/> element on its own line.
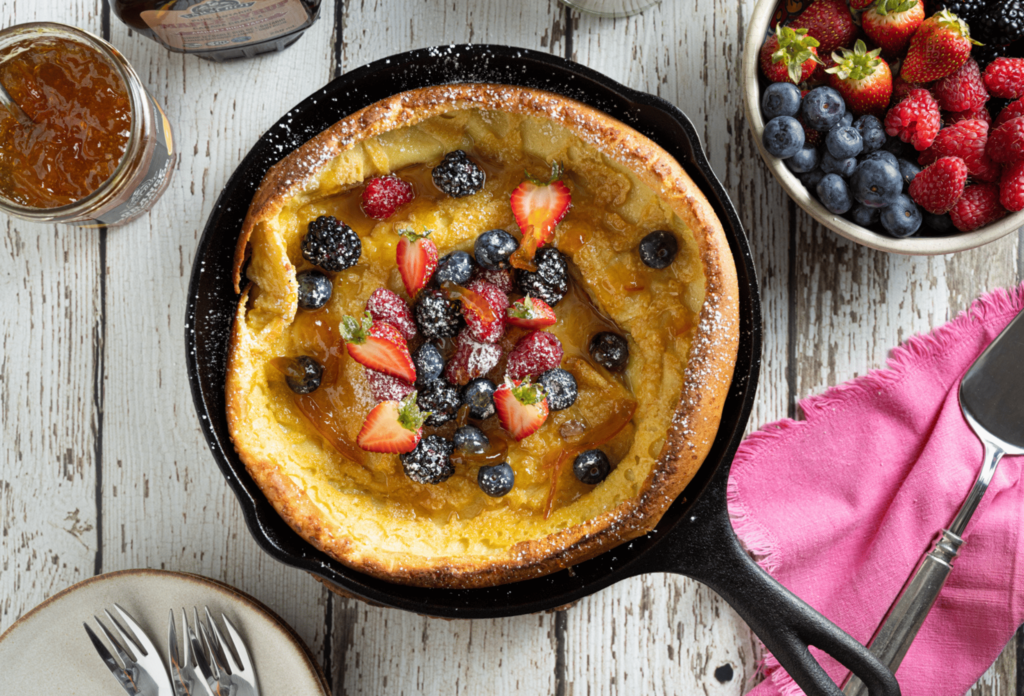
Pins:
<point x="898" y="124"/>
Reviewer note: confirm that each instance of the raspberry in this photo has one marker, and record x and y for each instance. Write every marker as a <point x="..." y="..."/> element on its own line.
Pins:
<point x="1004" y="78"/>
<point x="915" y="120"/>
<point x="1011" y="110"/>
<point x="1006" y="143"/>
<point x="963" y="89"/>
<point x="478" y="329"/>
<point x="384" y="195"/>
<point x="938" y="186"/>
<point x="978" y="114"/>
<point x="385" y="305"/>
<point x="1011" y="187"/>
<point x="471" y="359"/>
<point x="499" y="278"/>
<point x="967" y="140"/>
<point x="979" y="206"/>
<point x="385" y="387"/>
<point x="901" y="89"/>
<point x="535" y="353"/>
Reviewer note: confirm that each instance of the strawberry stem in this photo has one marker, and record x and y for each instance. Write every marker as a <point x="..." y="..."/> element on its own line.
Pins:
<point x="857" y="64"/>
<point x="794" y="50"/>
<point x="414" y="237"/>
<point x="355" y="332"/>
<point x="556" y="171"/>
<point x="410" y="416"/>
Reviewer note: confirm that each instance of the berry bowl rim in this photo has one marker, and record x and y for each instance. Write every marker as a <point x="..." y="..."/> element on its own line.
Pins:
<point x="757" y="29"/>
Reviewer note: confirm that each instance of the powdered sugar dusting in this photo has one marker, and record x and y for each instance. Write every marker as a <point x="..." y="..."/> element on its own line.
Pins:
<point x="385" y="387"/>
<point x="471" y="359"/>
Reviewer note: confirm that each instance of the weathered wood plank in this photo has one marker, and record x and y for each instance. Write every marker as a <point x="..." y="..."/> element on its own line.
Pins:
<point x="51" y="347"/>
<point x="166" y="503"/>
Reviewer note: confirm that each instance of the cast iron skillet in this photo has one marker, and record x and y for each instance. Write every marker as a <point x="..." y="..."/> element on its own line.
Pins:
<point x="694" y="537"/>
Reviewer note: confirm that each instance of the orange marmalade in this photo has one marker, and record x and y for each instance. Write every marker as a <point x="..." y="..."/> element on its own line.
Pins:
<point x="81" y="113"/>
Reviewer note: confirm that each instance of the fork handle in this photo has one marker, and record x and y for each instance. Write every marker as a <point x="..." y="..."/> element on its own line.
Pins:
<point x="905" y="617"/>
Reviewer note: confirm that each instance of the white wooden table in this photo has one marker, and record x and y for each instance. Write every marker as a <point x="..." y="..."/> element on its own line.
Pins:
<point x="103" y="465"/>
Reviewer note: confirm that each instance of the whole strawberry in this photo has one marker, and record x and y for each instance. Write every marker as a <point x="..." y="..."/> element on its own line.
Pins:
<point x="862" y="79"/>
<point x="979" y="206"/>
<point x="830" y="22"/>
<point x="1004" y="78"/>
<point x="939" y="46"/>
<point x="789" y="55"/>
<point x="963" y="89"/>
<point x="937" y="187"/>
<point x="916" y="119"/>
<point x="891" y="23"/>
<point x="1006" y="142"/>
<point x="1011" y="187"/>
<point x="859" y="4"/>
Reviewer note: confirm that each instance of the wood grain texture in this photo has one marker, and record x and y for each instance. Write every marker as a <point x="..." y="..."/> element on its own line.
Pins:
<point x="51" y="347"/>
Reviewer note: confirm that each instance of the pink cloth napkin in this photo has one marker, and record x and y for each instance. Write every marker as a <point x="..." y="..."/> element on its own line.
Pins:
<point x="840" y="506"/>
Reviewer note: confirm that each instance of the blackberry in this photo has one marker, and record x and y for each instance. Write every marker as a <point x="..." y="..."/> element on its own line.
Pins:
<point x="471" y="439"/>
<point x="303" y="375"/>
<point x="478" y="395"/>
<point x="493" y="248"/>
<point x="658" y="249"/>
<point x="937" y="225"/>
<point x="428" y="362"/>
<point x="1001" y="24"/>
<point x="437" y="316"/>
<point x="456" y="267"/>
<point x="457" y="175"/>
<point x="984" y="55"/>
<point x="430" y="462"/>
<point x="496" y="480"/>
<point x="592" y="466"/>
<point x="610" y="350"/>
<point x="560" y="387"/>
<point x="441" y="398"/>
<point x="315" y="289"/>
<point x="331" y="245"/>
<point x="550" y="282"/>
<point x="967" y="10"/>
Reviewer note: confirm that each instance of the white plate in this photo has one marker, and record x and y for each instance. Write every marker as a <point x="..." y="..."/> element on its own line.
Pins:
<point x="48" y="651"/>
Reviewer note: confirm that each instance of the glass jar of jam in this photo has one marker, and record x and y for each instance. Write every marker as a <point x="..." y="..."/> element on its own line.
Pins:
<point x="95" y="148"/>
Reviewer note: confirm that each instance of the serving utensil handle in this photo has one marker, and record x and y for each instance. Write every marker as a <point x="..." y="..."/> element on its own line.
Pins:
<point x="906" y="615"/>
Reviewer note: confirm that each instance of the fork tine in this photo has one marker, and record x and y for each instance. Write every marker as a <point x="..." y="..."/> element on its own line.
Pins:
<point x="215" y="656"/>
<point x="224" y="645"/>
<point x="172" y="643"/>
<point x="140" y="637"/>
<point x="127" y="659"/>
<point x="239" y="645"/>
<point x="105" y="655"/>
<point x="198" y="654"/>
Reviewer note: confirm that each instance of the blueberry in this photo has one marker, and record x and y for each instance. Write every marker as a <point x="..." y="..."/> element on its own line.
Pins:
<point x="871" y="132"/>
<point x="314" y="289"/>
<point x="610" y="350"/>
<point x="864" y="215"/>
<point x="428" y="362"/>
<point x="834" y="195"/>
<point x="811" y="178"/>
<point x="430" y="462"/>
<point x="456" y="267"/>
<point x="842" y="167"/>
<point x="457" y="175"/>
<point x="823" y="108"/>
<point x="805" y="160"/>
<point x="843" y="142"/>
<point x="478" y="395"/>
<point x="902" y="218"/>
<point x="470" y="438"/>
<point x="883" y="155"/>
<point x="496" y="480"/>
<point x="847" y="119"/>
<point x="876" y="183"/>
<point x="493" y="248"/>
<point x="303" y="375"/>
<point x="658" y="249"/>
<point x="437" y="316"/>
<point x="441" y="398"/>
<point x="937" y="225"/>
<point x="783" y="136"/>
<point x="560" y="387"/>
<point x="908" y="170"/>
<point x="780" y="99"/>
<point x="550" y="281"/>
<point x="592" y="466"/>
<point x="330" y="244"/>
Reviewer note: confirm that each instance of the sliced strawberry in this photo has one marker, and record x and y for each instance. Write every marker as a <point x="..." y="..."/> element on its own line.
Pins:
<point x="522" y="407"/>
<point x="392" y="426"/>
<point x="538" y="206"/>
<point x="417" y="260"/>
<point x="531" y="313"/>
<point x="385" y="387"/>
<point x="379" y="346"/>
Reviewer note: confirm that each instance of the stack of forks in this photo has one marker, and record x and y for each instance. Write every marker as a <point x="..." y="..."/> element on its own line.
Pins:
<point x="212" y="665"/>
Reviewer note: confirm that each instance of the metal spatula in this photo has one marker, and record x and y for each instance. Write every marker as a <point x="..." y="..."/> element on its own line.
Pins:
<point x="992" y="401"/>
